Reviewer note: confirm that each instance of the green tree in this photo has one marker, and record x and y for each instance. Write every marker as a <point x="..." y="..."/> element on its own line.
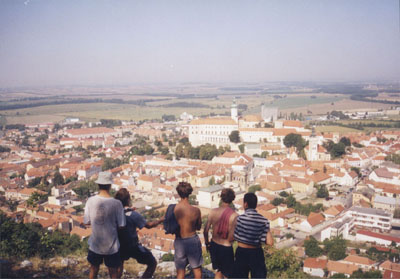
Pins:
<point x="58" y="179"/>
<point x="36" y="198"/>
<point x="367" y="274"/>
<point x="356" y="170"/>
<point x="169" y="257"/>
<point x="312" y="248"/>
<point x="338" y="150"/>
<point x="211" y="181"/>
<point x="254" y="188"/>
<point x="322" y="191"/>
<point x="291" y="201"/>
<point x="283" y="263"/>
<point x="339" y="276"/>
<point x="234" y="136"/>
<point x="85" y="189"/>
<point x="335" y="248"/>
<point x="277" y="201"/>
<point x="241" y="147"/>
<point x="283" y="194"/>
<point x="295" y="140"/>
<point x="346" y="141"/>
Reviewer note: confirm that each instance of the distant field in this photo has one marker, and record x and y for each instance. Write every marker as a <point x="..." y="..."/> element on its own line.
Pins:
<point x="335" y="129"/>
<point x="154" y="110"/>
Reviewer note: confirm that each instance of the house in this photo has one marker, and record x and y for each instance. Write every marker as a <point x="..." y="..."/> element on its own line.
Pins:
<point x="147" y="183"/>
<point x="362" y="262"/>
<point x="333" y="211"/>
<point x="209" y="197"/>
<point x="388" y="204"/>
<point x="389" y="266"/>
<point x="315" y="266"/>
<point x="313" y="220"/>
<point x="378" y="238"/>
<point x="341" y="227"/>
<point x="300" y="185"/>
<point x="335" y="267"/>
<point x="370" y="218"/>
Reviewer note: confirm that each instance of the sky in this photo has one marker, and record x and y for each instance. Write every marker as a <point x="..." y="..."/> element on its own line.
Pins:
<point x="123" y="42"/>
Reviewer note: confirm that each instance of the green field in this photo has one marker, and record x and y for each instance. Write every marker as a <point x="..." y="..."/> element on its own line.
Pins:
<point x="155" y="110"/>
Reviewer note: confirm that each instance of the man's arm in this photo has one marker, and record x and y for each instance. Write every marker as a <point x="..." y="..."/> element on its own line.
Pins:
<point x="198" y="223"/>
<point x="153" y="224"/>
<point x="207" y="229"/>
<point x="269" y="240"/>
<point x="232" y="226"/>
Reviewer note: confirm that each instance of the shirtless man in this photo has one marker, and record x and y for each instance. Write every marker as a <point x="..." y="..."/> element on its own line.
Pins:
<point x="222" y="221"/>
<point x="187" y="244"/>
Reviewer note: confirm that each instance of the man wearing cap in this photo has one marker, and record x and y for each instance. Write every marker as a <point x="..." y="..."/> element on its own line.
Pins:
<point x="105" y="215"/>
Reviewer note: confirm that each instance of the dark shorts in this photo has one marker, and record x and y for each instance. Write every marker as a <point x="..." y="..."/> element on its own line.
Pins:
<point x="249" y="260"/>
<point x="112" y="261"/>
<point x="141" y="254"/>
<point x="188" y="251"/>
<point x="222" y="258"/>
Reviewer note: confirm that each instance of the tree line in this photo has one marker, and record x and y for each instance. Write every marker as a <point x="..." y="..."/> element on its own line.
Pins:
<point x="19" y="240"/>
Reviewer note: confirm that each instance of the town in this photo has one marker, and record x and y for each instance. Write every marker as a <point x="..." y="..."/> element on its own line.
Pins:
<point x="332" y="198"/>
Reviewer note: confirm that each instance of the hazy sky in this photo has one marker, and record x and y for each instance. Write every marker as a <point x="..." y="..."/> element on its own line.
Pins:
<point x="63" y="42"/>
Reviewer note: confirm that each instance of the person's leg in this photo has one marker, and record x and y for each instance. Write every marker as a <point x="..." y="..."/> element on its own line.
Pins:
<point x="180" y="274"/>
<point x="218" y="275"/>
<point x="121" y="269"/>
<point x="241" y="268"/>
<point x="257" y="264"/>
<point x="197" y="273"/>
<point x="95" y="261"/>
<point x="113" y="271"/>
<point x="94" y="270"/>
<point x="151" y="267"/>
<point x="113" y="263"/>
<point x="180" y="258"/>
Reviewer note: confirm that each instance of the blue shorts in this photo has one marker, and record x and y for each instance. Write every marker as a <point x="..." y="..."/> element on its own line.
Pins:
<point x="113" y="260"/>
<point x="141" y="254"/>
<point x="188" y="251"/>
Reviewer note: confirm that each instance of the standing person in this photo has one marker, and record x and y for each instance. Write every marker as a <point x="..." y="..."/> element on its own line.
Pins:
<point x="130" y="246"/>
<point x="222" y="221"/>
<point x="252" y="229"/>
<point x="105" y="215"/>
<point x="187" y="244"/>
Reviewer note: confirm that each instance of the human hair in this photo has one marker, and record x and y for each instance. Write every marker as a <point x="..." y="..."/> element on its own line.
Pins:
<point x="104" y="187"/>
<point x="227" y="195"/>
<point x="184" y="189"/>
<point x="124" y="196"/>
<point x="251" y="200"/>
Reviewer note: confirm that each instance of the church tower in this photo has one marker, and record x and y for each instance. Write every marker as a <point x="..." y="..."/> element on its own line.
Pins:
<point x="234" y="110"/>
<point x="313" y="147"/>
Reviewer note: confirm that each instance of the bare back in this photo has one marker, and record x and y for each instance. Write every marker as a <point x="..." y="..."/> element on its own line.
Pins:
<point x="188" y="218"/>
<point x="213" y="221"/>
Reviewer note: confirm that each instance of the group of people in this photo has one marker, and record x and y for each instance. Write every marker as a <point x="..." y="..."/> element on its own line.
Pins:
<point x="114" y="236"/>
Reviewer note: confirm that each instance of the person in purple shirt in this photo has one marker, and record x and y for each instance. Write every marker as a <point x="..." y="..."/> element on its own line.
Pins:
<point x="130" y="246"/>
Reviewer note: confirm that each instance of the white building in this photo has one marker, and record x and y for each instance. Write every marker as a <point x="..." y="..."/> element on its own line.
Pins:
<point x="370" y="218"/>
<point x="209" y="197"/>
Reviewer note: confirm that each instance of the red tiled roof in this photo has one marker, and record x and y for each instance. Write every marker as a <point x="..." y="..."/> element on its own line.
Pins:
<point x="315" y="263"/>
<point x="380" y="236"/>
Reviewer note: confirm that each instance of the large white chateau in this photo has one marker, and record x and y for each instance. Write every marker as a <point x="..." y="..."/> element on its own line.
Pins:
<point x="214" y="130"/>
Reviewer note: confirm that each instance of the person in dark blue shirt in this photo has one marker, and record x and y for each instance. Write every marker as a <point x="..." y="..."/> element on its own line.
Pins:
<point x="130" y="246"/>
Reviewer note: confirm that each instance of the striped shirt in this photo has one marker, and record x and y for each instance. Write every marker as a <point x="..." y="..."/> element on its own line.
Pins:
<point x="251" y="228"/>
